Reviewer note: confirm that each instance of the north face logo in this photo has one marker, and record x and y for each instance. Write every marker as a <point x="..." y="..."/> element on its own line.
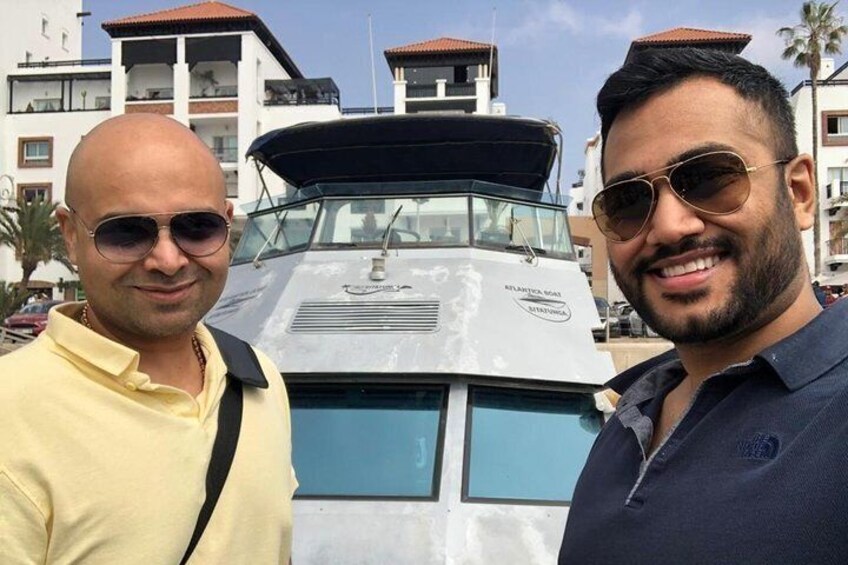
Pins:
<point x="762" y="446"/>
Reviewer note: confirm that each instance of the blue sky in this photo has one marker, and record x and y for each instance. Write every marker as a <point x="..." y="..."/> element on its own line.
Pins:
<point x="554" y="54"/>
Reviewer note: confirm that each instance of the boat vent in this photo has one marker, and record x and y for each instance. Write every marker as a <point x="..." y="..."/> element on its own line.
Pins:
<point x="396" y="316"/>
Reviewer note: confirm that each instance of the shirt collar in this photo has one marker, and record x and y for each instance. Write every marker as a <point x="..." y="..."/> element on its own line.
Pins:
<point x="116" y="359"/>
<point x="789" y="358"/>
<point x="813" y="350"/>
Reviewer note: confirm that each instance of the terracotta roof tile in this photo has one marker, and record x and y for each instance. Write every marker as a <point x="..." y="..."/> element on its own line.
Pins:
<point x="203" y="11"/>
<point x="440" y="45"/>
<point x="691" y="35"/>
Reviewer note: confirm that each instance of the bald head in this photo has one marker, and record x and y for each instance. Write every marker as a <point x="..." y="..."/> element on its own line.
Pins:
<point x="131" y="144"/>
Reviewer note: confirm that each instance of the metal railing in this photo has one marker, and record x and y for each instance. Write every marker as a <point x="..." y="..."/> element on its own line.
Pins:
<point x="421" y="91"/>
<point x="368" y="110"/>
<point x="71" y="63"/>
<point x="225" y="154"/>
<point x="460" y="89"/>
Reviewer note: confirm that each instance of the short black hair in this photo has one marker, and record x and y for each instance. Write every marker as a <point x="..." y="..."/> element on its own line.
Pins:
<point x="654" y="71"/>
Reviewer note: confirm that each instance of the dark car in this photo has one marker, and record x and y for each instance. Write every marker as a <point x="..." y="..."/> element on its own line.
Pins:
<point x="604" y="310"/>
<point x="31" y="319"/>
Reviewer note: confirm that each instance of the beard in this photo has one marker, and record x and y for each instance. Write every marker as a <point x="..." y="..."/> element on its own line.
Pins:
<point x="766" y="268"/>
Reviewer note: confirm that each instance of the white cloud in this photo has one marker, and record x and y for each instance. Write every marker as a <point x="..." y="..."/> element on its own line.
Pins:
<point x="544" y="19"/>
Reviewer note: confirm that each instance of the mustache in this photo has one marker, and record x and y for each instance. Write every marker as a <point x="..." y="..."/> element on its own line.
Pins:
<point x="161" y="279"/>
<point x="724" y="245"/>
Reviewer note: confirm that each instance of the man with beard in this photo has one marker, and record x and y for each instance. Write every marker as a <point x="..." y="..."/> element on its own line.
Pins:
<point x="108" y="420"/>
<point x="731" y="447"/>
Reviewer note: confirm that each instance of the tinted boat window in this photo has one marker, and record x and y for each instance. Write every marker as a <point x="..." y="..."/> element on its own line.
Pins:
<point x="276" y="232"/>
<point x="371" y="441"/>
<point x="422" y="221"/>
<point x="527" y="445"/>
<point x="498" y="224"/>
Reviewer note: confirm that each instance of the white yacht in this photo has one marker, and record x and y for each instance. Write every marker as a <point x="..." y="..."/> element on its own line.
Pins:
<point x="419" y="292"/>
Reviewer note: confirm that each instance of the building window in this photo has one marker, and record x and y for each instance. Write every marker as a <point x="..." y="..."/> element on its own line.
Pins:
<point x="45" y="26"/>
<point x="835" y="128"/>
<point x="65" y="40"/>
<point x="35" y="152"/>
<point x="36" y="191"/>
<point x="367" y="440"/>
<point x="526" y="445"/>
<point x="102" y="102"/>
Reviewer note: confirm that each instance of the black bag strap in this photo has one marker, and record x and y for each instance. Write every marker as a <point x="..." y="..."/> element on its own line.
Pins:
<point x="233" y="350"/>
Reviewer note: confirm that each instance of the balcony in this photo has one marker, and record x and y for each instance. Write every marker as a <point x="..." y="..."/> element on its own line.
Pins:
<point x="836" y="197"/>
<point x="225" y="154"/>
<point x="301" y="92"/>
<point x="79" y="92"/>
<point x="837" y="253"/>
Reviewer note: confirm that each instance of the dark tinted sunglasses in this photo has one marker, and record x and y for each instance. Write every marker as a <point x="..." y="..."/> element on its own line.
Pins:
<point x="713" y="183"/>
<point x="126" y="239"/>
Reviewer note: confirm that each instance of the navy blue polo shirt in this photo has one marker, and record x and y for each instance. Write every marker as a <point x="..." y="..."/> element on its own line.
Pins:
<point x="755" y="472"/>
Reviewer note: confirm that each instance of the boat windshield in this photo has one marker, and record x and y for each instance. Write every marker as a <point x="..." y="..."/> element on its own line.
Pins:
<point x="434" y="220"/>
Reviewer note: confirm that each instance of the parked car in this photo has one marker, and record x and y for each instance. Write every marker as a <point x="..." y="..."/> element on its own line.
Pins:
<point x="600" y="332"/>
<point x="622" y="311"/>
<point x="31" y="319"/>
<point x="638" y="327"/>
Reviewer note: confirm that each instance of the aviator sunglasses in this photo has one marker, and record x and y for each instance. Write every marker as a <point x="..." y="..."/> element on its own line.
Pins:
<point x="130" y="238"/>
<point x="714" y="183"/>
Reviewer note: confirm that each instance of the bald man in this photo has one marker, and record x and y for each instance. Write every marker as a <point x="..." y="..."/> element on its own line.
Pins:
<point x="108" y="419"/>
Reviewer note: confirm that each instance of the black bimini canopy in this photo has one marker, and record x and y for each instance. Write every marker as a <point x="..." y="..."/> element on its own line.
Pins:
<point x="516" y="152"/>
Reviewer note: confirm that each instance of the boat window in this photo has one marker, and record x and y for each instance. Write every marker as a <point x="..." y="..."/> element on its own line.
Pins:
<point x="422" y="221"/>
<point x="276" y="232"/>
<point x="368" y="441"/>
<point x="527" y="446"/>
<point x="501" y="224"/>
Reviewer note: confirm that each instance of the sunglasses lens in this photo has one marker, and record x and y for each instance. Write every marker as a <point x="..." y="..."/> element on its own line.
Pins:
<point x="622" y="209"/>
<point x="126" y="239"/>
<point x="716" y="182"/>
<point x="199" y="233"/>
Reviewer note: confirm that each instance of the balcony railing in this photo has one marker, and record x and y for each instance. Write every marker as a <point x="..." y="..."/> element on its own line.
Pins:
<point x="301" y="92"/>
<point x="460" y="89"/>
<point x="421" y="91"/>
<point x="225" y="154"/>
<point x="837" y="247"/>
<point x="74" y="63"/>
<point x="367" y="110"/>
<point x="230" y="91"/>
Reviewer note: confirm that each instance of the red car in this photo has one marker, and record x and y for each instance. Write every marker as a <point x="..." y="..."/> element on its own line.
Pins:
<point x="31" y="319"/>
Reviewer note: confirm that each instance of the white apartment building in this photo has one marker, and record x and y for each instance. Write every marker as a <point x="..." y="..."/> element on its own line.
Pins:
<point x="214" y="67"/>
<point x="832" y="165"/>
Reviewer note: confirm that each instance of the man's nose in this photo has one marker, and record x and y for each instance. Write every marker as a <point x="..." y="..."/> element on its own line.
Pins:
<point x="166" y="256"/>
<point x="673" y="219"/>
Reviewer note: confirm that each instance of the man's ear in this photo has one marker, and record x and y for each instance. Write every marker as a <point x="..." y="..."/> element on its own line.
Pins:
<point x="69" y="232"/>
<point x="802" y="190"/>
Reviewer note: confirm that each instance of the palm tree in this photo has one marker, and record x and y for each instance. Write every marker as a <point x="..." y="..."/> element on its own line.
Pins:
<point x="32" y="231"/>
<point x="11" y="298"/>
<point x="820" y="32"/>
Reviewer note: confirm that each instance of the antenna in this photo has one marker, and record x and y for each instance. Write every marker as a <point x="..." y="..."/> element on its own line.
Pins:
<point x="373" y="68"/>
<point x="492" y="45"/>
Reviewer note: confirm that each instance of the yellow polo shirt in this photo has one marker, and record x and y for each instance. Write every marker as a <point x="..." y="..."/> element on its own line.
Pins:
<point x="100" y="465"/>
